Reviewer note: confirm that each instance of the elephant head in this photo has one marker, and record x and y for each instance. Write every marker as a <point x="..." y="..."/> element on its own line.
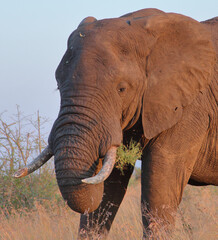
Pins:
<point x="147" y="64"/>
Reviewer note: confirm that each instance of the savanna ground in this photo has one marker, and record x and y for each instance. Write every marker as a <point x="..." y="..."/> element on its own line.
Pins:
<point x="32" y="208"/>
<point x="197" y="219"/>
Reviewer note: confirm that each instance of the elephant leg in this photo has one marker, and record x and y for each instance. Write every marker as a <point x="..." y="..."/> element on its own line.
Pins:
<point x="167" y="165"/>
<point x="99" y="222"/>
<point x="164" y="177"/>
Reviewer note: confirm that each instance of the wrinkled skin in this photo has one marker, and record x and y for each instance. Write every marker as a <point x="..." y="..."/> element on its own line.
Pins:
<point x="150" y="76"/>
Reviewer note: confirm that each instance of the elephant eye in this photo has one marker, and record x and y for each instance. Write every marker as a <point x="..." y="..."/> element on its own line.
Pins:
<point x="122" y="87"/>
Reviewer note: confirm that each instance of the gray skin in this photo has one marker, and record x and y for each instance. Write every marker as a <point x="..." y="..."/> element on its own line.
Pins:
<point x="150" y="76"/>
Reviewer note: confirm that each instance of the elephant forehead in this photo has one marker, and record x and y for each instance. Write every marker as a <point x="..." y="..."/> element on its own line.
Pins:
<point x="107" y="31"/>
<point x="105" y="65"/>
<point x="103" y="51"/>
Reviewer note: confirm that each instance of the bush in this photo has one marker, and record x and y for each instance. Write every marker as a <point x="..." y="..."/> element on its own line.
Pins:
<point x="21" y="140"/>
<point x="128" y="154"/>
<point x="23" y="193"/>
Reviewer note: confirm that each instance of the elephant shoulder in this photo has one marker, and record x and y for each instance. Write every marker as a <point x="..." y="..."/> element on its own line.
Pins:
<point x="212" y="26"/>
<point x="143" y="13"/>
<point x="211" y="21"/>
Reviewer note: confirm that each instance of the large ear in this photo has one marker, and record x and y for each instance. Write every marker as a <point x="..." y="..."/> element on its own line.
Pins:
<point x="179" y="65"/>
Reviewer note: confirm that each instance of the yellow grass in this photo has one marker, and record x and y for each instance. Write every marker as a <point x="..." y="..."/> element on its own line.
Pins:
<point x="197" y="219"/>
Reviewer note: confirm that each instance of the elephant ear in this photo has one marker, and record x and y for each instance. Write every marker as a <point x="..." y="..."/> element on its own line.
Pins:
<point x="179" y="65"/>
<point x="86" y="21"/>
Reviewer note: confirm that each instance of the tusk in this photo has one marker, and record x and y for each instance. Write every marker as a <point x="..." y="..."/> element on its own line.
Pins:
<point x="35" y="164"/>
<point x="108" y="165"/>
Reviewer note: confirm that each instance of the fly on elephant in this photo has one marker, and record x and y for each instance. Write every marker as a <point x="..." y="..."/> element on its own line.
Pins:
<point x="149" y="76"/>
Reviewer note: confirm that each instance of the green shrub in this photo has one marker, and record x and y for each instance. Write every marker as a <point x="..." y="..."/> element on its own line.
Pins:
<point x="23" y="193"/>
<point x="128" y="155"/>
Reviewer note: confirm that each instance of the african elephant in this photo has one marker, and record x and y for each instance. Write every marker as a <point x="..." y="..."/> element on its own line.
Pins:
<point x="149" y="76"/>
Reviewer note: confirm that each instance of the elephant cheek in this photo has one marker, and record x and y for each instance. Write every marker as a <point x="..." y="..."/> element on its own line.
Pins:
<point x="83" y="198"/>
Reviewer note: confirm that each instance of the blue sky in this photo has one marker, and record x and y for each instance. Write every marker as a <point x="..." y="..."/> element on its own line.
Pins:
<point x="34" y="35"/>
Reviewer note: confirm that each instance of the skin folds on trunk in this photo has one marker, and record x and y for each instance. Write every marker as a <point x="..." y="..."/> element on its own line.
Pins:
<point x="74" y="161"/>
<point x="76" y="141"/>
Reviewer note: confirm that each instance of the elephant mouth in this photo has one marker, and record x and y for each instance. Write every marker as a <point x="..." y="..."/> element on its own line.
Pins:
<point x="109" y="161"/>
<point x="101" y="176"/>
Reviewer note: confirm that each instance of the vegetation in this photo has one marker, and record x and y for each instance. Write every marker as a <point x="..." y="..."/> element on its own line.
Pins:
<point x="128" y="154"/>
<point x="196" y="219"/>
<point x="21" y="139"/>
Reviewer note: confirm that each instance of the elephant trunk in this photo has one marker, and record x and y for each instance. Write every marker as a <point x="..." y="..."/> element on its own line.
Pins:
<point x="79" y="141"/>
<point x="76" y="158"/>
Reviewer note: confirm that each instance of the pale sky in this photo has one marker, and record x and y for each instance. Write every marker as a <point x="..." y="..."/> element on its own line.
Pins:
<point x="33" y="40"/>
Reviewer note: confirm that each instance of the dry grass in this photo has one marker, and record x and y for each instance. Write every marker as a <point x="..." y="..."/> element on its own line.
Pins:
<point x="197" y="218"/>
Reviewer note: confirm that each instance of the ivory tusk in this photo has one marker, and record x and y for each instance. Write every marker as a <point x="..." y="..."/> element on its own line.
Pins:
<point x="35" y="164"/>
<point x="107" y="168"/>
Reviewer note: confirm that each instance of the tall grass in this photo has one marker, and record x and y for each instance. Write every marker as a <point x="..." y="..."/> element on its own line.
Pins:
<point x="196" y="219"/>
